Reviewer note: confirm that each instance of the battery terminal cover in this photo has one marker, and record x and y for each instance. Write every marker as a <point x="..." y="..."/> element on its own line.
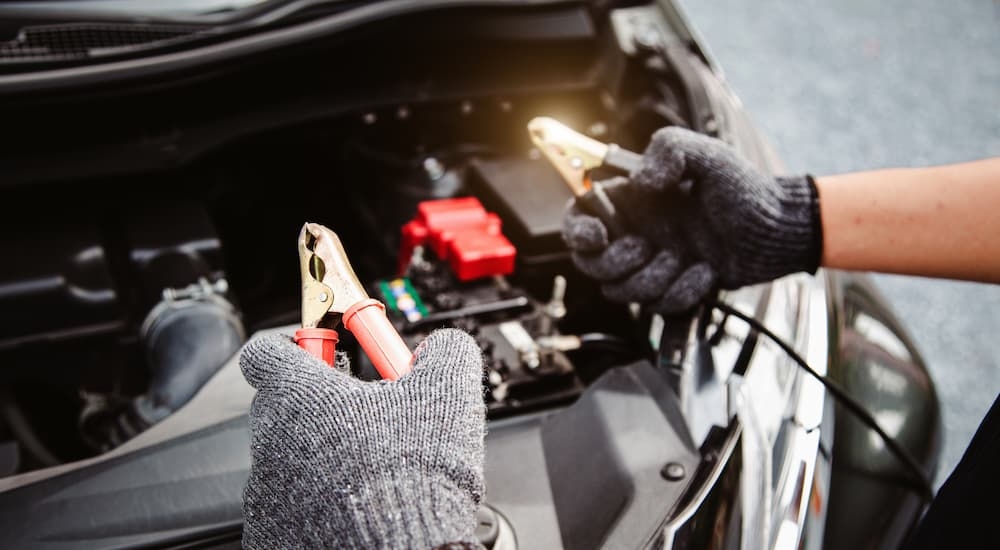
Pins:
<point x="461" y="232"/>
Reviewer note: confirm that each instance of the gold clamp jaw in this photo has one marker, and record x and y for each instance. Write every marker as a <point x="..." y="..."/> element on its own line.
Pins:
<point x="329" y="285"/>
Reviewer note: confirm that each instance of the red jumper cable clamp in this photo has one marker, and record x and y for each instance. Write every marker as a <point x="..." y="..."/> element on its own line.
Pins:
<point x="331" y="293"/>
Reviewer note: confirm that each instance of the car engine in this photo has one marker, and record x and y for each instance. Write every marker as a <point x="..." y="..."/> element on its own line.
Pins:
<point x="150" y="235"/>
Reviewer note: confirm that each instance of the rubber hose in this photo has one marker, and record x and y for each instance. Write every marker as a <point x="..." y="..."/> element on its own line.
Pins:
<point x="186" y="344"/>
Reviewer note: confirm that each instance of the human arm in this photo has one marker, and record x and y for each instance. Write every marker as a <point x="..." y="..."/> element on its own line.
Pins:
<point x="940" y="221"/>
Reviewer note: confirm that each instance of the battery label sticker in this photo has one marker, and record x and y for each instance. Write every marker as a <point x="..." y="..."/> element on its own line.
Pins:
<point x="402" y="297"/>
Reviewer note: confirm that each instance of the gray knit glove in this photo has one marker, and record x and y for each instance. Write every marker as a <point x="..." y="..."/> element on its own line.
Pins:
<point x="700" y="217"/>
<point x="339" y="462"/>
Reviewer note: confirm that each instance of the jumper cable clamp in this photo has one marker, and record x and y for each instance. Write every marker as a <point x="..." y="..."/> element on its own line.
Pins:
<point x="331" y="294"/>
<point x="574" y="156"/>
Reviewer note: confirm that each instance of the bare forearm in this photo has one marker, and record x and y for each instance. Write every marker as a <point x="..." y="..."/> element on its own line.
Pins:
<point x="937" y="222"/>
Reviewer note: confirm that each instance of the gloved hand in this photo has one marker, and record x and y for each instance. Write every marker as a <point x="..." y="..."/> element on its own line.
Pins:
<point x="340" y="462"/>
<point x="704" y="218"/>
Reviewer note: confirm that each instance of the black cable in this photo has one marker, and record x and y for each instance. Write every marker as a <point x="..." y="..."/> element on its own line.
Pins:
<point x="923" y="483"/>
<point x="610" y="341"/>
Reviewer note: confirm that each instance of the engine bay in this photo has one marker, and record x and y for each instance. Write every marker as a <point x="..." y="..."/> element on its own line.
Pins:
<point x="155" y="172"/>
<point x="143" y="248"/>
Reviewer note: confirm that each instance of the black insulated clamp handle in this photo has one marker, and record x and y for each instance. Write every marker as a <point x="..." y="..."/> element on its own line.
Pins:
<point x="622" y="159"/>
<point x="596" y="202"/>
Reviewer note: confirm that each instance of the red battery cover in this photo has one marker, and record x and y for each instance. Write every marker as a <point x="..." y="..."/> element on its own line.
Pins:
<point x="461" y="232"/>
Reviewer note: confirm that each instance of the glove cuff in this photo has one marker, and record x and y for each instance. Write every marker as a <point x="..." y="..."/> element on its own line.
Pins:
<point x="816" y="256"/>
<point x="789" y="238"/>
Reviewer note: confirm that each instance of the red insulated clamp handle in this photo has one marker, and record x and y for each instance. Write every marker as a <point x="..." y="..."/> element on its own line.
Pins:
<point x="386" y="349"/>
<point x="321" y="343"/>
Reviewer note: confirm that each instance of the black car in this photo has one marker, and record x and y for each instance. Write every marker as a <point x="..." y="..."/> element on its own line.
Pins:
<point x="156" y="166"/>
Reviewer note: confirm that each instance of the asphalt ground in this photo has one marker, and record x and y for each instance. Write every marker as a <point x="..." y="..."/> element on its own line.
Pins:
<point x="845" y="85"/>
